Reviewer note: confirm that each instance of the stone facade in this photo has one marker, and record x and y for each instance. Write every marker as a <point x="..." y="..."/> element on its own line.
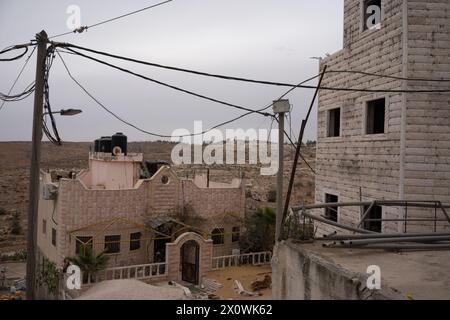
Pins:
<point x="81" y="210"/>
<point x="410" y="160"/>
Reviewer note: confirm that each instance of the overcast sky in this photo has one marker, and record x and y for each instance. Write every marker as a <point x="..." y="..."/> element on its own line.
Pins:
<point x="262" y="39"/>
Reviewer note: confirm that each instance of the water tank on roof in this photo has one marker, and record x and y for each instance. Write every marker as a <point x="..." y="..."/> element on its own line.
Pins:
<point x="105" y="144"/>
<point x="119" y="144"/>
<point x="97" y="145"/>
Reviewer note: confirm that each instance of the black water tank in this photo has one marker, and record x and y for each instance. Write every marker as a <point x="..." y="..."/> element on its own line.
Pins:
<point x="119" y="140"/>
<point x="105" y="144"/>
<point x="97" y="145"/>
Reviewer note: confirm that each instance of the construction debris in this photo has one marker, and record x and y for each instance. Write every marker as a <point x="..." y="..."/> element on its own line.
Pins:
<point x="241" y="291"/>
<point x="259" y="285"/>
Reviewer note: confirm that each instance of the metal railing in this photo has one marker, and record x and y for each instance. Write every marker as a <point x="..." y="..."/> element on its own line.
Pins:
<point x="138" y="272"/>
<point x="254" y="259"/>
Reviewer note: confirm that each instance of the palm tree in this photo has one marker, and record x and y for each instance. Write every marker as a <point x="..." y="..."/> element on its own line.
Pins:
<point x="89" y="263"/>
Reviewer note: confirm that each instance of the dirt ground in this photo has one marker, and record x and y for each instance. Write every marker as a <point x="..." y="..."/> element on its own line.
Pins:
<point x="246" y="275"/>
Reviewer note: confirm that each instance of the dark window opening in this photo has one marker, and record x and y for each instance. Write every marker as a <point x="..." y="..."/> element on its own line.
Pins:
<point x="82" y="243"/>
<point x="373" y="220"/>
<point x="370" y="16"/>
<point x="334" y="122"/>
<point x="217" y="236"/>
<point x="135" y="241"/>
<point x="54" y="237"/>
<point x="236" y="234"/>
<point x="331" y="213"/>
<point x="376" y="110"/>
<point x="112" y="244"/>
<point x="44" y="226"/>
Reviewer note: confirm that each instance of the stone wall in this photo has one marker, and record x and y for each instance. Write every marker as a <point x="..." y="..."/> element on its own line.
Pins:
<point x="411" y="159"/>
<point x="299" y="274"/>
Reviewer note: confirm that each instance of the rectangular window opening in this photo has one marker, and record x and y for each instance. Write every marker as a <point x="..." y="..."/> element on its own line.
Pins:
<point x="135" y="241"/>
<point x="376" y="115"/>
<point x="372" y="18"/>
<point x="373" y="220"/>
<point x="331" y="213"/>
<point x="54" y="237"/>
<point x="334" y="122"/>
<point x="112" y="244"/>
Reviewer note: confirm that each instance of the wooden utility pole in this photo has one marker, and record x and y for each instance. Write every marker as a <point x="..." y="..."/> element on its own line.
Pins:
<point x="280" y="107"/>
<point x="35" y="165"/>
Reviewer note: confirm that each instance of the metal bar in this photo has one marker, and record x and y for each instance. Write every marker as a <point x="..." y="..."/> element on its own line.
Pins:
<point x="420" y="204"/>
<point x="388" y="246"/>
<point x="341" y="226"/>
<point x="298" y="149"/>
<point x="389" y="240"/>
<point x="379" y="235"/>
<point x="411" y="220"/>
<point x="366" y="213"/>
<point x="444" y="211"/>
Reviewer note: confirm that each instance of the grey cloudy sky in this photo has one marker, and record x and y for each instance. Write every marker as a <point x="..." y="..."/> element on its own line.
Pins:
<point x="262" y="39"/>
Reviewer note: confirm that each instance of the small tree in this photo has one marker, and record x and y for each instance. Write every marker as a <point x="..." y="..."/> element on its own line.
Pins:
<point x="16" y="228"/>
<point x="260" y="231"/>
<point x="88" y="262"/>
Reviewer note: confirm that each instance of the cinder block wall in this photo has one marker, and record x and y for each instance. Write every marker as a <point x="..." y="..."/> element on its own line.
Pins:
<point x="354" y="160"/>
<point x="412" y="159"/>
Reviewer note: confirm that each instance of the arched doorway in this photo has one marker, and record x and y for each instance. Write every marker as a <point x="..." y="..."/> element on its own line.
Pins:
<point x="189" y="253"/>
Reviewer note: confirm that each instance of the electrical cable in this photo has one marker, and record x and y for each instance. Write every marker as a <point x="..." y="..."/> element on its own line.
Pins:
<point x="136" y="127"/>
<point x="171" y="86"/>
<point x="17" y="78"/>
<point x="83" y="28"/>
<point x="16" y="47"/>
<point x="68" y="45"/>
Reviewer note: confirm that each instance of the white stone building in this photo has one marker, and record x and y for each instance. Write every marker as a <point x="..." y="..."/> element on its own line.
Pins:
<point x="391" y="146"/>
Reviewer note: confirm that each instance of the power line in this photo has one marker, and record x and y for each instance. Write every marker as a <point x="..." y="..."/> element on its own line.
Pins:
<point x="136" y="127"/>
<point x="83" y="28"/>
<point x="386" y="76"/>
<point x="172" y="86"/>
<point x="15" y="47"/>
<point x="17" y="78"/>
<point x="225" y="77"/>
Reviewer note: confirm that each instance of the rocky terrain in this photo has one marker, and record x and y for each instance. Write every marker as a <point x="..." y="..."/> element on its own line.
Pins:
<point x="14" y="179"/>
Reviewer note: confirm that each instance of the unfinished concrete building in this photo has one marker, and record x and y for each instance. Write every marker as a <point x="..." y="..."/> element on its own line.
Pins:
<point x="151" y="223"/>
<point x="386" y="146"/>
<point x="372" y="146"/>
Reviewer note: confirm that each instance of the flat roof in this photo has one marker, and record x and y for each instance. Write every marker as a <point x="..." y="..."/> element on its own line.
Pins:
<point x="420" y="275"/>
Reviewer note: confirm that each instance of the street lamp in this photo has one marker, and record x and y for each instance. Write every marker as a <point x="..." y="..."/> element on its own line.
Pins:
<point x="66" y="112"/>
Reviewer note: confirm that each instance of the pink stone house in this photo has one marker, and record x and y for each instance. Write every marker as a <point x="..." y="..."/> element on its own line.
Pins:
<point x="160" y="224"/>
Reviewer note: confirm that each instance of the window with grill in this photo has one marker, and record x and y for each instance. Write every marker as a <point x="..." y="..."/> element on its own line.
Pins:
<point x="82" y="243"/>
<point x="135" y="241"/>
<point x="112" y="244"/>
<point x="217" y="236"/>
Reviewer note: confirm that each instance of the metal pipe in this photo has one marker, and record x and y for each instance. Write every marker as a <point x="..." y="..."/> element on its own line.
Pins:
<point x="341" y="226"/>
<point x="399" y="247"/>
<point x="366" y="213"/>
<point x="389" y="240"/>
<point x="418" y="204"/>
<point x="379" y="235"/>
